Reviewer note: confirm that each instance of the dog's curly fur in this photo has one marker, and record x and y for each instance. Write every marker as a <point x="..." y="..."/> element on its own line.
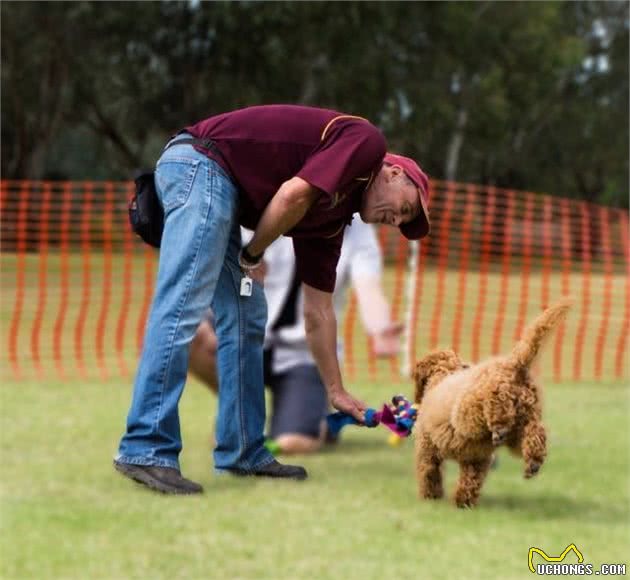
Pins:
<point x="465" y="412"/>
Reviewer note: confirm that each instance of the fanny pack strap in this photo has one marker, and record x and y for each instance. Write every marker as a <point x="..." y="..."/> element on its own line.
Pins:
<point x="204" y="143"/>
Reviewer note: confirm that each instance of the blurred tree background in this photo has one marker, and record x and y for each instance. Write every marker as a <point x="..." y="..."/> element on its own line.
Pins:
<point x="528" y="95"/>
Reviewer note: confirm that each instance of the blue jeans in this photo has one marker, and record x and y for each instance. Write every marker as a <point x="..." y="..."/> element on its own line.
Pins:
<point x="198" y="266"/>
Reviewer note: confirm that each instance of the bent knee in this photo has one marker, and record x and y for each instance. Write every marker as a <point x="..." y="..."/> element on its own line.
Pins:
<point x="291" y="443"/>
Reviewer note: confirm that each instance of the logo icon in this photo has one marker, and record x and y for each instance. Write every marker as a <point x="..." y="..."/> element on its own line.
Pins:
<point x="560" y="558"/>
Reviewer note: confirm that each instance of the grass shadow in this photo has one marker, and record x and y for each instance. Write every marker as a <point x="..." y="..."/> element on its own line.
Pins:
<point x="555" y="506"/>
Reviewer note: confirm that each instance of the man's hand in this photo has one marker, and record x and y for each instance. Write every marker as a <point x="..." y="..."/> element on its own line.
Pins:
<point x="387" y="341"/>
<point x="344" y="401"/>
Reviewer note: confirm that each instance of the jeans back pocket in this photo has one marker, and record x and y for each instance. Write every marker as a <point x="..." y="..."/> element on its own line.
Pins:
<point x="174" y="178"/>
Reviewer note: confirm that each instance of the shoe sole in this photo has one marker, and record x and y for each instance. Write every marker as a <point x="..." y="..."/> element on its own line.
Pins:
<point x="300" y="477"/>
<point x="143" y="478"/>
<point x="293" y="477"/>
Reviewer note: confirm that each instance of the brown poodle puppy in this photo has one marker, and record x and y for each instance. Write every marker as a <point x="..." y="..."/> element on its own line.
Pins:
<point x="465" y="413"/>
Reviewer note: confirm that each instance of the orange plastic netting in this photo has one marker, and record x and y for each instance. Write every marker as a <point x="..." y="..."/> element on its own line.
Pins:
<point x="77" y="284"/>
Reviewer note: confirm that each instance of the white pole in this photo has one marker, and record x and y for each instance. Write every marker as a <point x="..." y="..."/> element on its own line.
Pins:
<point x="410" y="294"/>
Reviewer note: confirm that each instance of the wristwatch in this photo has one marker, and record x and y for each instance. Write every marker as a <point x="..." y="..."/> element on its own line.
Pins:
<point x="248" y="262"/>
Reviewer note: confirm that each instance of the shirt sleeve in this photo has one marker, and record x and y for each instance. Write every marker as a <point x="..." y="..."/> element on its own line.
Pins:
<point x="316" y="261"/>
<point x="352" y="148"/>
<point x="365" y="251"/>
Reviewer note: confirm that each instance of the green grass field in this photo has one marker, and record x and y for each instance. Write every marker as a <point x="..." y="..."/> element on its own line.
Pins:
<point x="67" y="514"/>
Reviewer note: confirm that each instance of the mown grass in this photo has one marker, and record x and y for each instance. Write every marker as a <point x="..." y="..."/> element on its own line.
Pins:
<point x="67" y="514"/>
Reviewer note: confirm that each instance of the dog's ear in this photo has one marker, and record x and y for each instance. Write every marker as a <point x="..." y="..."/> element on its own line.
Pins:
<point x="438" y="363"/>
<point x="452" y="361"/>
<point x="421" y="374"/>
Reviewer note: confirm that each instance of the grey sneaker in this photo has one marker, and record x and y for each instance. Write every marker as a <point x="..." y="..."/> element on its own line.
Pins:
<point x="162" y="479"/>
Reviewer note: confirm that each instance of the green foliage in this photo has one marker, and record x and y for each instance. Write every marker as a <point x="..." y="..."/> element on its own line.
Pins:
<point x="517" y="94"/>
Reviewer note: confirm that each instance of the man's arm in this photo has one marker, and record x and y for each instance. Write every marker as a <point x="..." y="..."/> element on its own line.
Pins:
<point x="286" y="208"/>
<point x="321" y="333"/>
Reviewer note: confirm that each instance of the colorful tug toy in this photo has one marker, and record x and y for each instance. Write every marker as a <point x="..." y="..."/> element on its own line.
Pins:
<point x="399" y="417"/>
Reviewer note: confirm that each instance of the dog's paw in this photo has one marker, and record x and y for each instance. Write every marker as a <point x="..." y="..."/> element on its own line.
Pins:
<point x="465" y="499"/>
<point x="499" y="436"/>
<point x="532" y="469"/>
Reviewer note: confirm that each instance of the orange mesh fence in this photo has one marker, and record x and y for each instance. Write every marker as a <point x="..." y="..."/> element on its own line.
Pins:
<point x="77" y="284"/>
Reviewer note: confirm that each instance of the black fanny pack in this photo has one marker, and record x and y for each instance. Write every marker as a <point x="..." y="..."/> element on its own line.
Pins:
<point x="146" y="214"/>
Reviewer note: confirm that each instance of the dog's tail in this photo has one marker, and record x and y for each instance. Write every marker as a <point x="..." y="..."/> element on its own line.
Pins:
<point x="527" y="348"/>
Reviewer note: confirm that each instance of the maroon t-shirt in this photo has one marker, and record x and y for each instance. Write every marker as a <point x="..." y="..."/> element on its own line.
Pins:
<point x="262" y="147"/>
